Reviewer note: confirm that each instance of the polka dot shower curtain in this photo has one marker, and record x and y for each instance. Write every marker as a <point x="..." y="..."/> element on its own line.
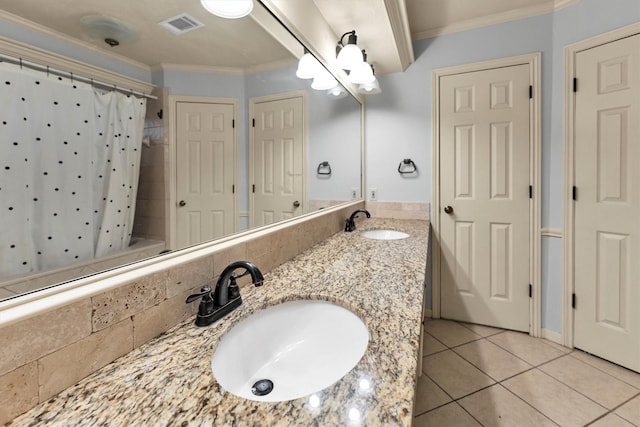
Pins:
<point x="69" y="158"/>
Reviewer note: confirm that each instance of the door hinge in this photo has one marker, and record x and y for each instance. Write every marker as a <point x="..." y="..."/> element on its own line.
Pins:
<point x="233" y="123"/>
<point x="573" y="300"/>
<point x="575" y="84"/>
<point x="574" y="193"/>
<point x="253" y="188"/>
<point x="530" y="91"/>
<point x="531" y="191"/>
<point x="233" y="188"/>
<point x="530" y="290"/>
<point x="253" y="122"/>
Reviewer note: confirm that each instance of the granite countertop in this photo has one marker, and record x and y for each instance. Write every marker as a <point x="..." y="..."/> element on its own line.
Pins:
<point x="168" y="381"/>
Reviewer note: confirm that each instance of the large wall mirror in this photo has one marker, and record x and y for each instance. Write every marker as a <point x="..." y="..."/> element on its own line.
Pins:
<point x="233" y="141"/>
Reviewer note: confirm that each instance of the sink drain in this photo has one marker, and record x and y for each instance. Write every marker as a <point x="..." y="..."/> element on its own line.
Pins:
<point x="262" y="387"/>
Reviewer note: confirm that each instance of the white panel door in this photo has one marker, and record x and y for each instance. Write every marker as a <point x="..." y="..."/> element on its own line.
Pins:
<point x="484" y="196"/>
<point x="205" y="172"/>
<point x="278" y="161"/>
<point x="607" y="207"/>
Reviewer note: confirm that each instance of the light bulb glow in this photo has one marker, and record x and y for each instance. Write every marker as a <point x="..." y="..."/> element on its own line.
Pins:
<point x="372" y="88"/>
<point x="314" y="401"/>
<point x="354" y="414"/>
<point x="230" y="9"/>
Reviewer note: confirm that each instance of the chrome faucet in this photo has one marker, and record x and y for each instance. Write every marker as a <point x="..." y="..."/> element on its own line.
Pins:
<point x="350" y="223"/>
<point x="226" y="294"/>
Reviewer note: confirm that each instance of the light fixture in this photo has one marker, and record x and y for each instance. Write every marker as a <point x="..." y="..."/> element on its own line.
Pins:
<point x="308" y="66"/>
<point x="324" y="81"/>
<point x="362" y="72"/>
<point x="350" y="55"/>
<point x="230" y="9"/>
<point x="371" y="88"/>
<point x="113" y="31"/>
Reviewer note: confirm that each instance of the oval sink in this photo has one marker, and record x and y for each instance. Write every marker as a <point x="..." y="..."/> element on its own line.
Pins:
<point x="289" y="350"/>
<point x="384" y="234"/>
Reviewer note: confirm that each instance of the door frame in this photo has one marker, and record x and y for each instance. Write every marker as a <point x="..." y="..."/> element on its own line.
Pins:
<point x="171" y="165"/>
<point x="305" y="140"/>
<point x="533" y="60"/>
<point x="570" y="52"/>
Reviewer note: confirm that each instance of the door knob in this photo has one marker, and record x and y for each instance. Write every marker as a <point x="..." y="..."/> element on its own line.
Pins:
<point x="296" y="204"/>
<point x="182" y="203"/>
<point x="448" y="210"/>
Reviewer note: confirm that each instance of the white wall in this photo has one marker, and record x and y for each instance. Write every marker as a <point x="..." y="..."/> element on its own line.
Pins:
<point x="398" y="121"/>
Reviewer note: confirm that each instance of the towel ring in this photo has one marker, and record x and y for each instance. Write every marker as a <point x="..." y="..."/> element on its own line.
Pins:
<point x="407" y="166"/>
<point x="324" y="168"/>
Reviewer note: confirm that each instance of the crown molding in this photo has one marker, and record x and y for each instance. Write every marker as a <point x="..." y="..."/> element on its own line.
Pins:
<point x="399" y="21"/>
<point x="497" y="18"/>
<point x="44" y="58"/>
<point x="15" y="19"/>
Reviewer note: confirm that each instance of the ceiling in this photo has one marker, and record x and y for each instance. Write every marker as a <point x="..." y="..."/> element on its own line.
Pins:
<point x="385" y="27"/>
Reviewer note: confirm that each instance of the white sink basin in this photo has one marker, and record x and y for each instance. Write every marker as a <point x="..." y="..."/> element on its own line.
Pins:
<point x="300" y="346"/>
<point x="384" y="234"/>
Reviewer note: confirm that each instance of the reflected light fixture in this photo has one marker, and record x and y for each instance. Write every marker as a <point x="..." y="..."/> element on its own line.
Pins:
<point x="308" y="66"/>
<point x="362" y="72"/>
<point x="348" y="55"/>
<point x="324" y="81"/>
<point x="230" y="9"/>
<point x="337" y="92"/>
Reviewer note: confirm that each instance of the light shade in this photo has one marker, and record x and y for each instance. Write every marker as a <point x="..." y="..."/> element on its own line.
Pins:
<point x="308" y="67"/>
<point x="349" y="57"/>
<point x="324" y="81"/>
<point x="230" y="9"/>
<point x="372" y="88"/>
<point x="361" y="74"/>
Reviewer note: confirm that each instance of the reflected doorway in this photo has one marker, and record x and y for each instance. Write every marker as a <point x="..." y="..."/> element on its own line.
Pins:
<point x="278" y="151"/>
<point x="205" y="171"/>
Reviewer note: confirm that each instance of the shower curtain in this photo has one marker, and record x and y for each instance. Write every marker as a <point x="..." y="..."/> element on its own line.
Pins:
<point x="69" y="159"/>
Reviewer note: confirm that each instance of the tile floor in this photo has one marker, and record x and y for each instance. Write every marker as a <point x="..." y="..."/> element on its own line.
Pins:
<point x="479" y="376"/>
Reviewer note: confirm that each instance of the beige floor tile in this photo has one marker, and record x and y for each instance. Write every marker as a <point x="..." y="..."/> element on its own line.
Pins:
<point x="428" y="396"/>
<point x="593" y="383"/>
<point x="430" y="345"/>
<point x="554" y="399"/>
<point x="454" y="375"/>
<point x="496" y="406"/>
<point x="630" y="411"/>
<point x="623" y="374"/>
<point x="4" y="293"/>
<point x="531" y="350"/>
<point x="611" y="420"/>
<point x="449" y="415"/>
<point x="450" y="333"/>
<point x="483" y="331"/>
<point x="494" y="361"/>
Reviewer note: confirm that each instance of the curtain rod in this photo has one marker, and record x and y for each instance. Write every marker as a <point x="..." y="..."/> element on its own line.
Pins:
<point x="71" y="76"/>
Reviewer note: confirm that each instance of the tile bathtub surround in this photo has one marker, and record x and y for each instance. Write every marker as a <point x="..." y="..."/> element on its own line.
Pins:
<point x="30" y="349"/>
<point x="533" y="382"/>
<point x="168" y="381"/>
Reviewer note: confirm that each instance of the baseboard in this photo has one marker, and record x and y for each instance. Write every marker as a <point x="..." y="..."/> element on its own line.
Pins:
<point x="427" y="313"/>
<point x="552" y="336"/>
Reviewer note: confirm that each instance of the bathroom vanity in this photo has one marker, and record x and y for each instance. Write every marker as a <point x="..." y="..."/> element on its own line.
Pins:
<point x="169" y="380"/>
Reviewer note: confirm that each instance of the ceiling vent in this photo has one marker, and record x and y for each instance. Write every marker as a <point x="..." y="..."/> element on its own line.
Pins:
<point x="181" y="24"/>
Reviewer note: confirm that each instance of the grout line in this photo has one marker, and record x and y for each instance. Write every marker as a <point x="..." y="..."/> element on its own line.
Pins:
<point x="532" y="367"/>
<point x="601" y="370"/>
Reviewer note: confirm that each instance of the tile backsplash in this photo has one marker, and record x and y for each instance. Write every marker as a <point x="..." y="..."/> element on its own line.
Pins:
<point x="45" y="354"/>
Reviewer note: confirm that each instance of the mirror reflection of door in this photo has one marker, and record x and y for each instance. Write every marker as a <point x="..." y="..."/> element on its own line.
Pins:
<point x="205" y="164"/>
<point x="278" y="167"/>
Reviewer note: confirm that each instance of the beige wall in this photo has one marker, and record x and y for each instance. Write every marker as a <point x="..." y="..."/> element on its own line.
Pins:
<point x="45" y="354"/>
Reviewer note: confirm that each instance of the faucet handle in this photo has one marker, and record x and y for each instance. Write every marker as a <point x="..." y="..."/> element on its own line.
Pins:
<point x="204" y="292"/>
